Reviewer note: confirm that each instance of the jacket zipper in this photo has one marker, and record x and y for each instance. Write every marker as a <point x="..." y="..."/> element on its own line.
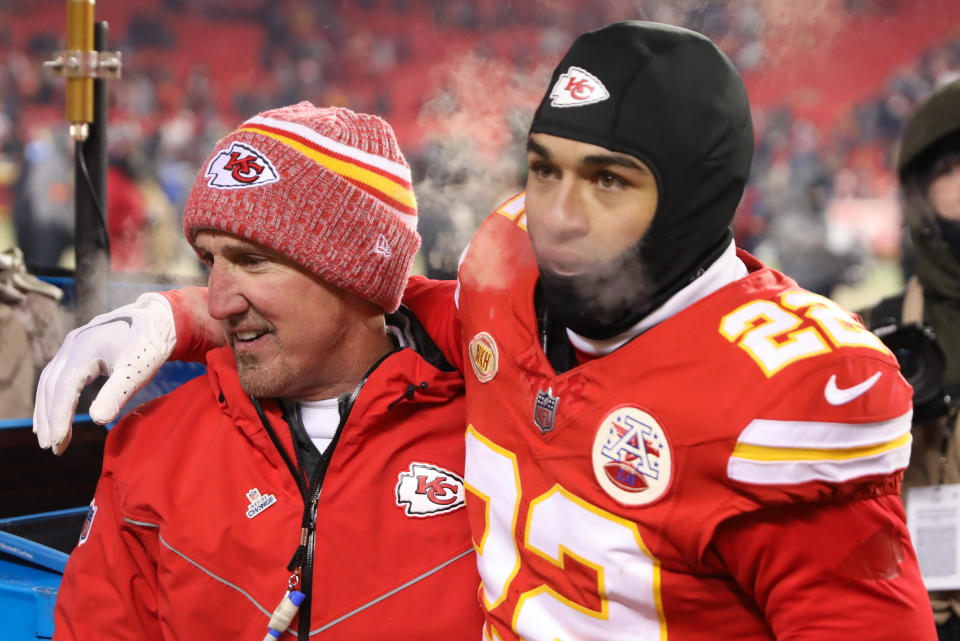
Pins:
<point x="301" y="564"/>
<point x="306" y="609"/>
<point x="303" y="558"/>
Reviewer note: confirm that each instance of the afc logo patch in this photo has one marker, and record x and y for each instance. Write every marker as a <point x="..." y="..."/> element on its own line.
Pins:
<point x="577" y="87"/>
<point x="484" y="356"/>
<point x="427" y="490"/>
<point x="631" y="456"/>
<point x="240" y="166"/>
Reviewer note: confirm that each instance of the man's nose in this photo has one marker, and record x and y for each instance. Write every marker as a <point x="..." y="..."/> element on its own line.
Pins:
<point x="225" y="298"/>
<point x="566" y="215"/>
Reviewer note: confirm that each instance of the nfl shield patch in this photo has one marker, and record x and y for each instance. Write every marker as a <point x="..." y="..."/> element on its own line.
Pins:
<point x="545" y="410"/>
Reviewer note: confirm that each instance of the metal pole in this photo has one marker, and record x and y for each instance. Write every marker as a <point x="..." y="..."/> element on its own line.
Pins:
<point x="91" y="243"/>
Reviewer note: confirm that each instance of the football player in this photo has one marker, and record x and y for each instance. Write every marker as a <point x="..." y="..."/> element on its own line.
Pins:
<point x="667" y="439"/>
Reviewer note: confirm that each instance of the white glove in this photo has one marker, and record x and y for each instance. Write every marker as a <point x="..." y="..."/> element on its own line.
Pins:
<point x="128" y="344"/>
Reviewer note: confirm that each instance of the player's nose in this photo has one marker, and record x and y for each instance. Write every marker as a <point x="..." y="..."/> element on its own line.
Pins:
<point x="564" y="213"/>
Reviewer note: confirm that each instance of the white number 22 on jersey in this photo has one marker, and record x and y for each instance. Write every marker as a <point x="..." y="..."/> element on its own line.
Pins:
<point x="560" y="526"/>
<point x="768" y="331"/>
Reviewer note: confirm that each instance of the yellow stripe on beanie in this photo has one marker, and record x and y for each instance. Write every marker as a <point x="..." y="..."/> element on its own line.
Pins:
<point x="394" y="193"/>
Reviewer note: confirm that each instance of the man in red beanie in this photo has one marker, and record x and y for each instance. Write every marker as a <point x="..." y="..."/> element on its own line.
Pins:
<point x="322" y="455"/>
<point x="665" y="438"/>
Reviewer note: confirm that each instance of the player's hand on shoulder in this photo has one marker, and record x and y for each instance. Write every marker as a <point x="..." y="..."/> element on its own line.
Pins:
<point x="128" y="344"/>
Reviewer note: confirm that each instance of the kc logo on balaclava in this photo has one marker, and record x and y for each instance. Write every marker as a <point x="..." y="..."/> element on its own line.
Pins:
<point x="576" y="88"/>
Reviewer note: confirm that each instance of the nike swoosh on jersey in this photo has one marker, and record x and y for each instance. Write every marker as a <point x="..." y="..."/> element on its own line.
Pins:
<point x="123" y="319"/>
<point x="838" y="396"/>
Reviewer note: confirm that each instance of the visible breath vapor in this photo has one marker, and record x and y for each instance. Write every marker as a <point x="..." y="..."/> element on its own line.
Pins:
<point x="605" y="296"/>
<point x="477" y="123"/>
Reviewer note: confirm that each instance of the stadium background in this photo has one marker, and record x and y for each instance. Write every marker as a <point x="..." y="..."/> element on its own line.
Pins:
<point x="831" y="82"/>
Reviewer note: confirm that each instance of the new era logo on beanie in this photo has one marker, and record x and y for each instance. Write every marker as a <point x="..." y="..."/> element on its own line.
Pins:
<point x="326" y="187"/>
<point x="576" y="88"/>
<point x="238" y="167"/>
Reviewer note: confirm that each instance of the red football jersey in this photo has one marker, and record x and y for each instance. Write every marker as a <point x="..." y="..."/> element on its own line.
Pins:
<point x="731" y="473"/>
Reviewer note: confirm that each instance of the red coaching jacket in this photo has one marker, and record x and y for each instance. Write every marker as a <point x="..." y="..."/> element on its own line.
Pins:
<point x="196" y="517"/>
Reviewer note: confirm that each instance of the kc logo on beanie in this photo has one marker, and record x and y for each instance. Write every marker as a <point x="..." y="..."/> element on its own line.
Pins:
<point x="238" y="167"/>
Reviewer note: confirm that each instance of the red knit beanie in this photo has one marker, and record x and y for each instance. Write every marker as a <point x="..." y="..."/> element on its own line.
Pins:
<point x="328" y="188"/>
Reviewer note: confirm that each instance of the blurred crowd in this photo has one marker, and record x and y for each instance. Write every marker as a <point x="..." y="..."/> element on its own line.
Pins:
<point x="454" y="79"/>
<point x="823" y="202"/>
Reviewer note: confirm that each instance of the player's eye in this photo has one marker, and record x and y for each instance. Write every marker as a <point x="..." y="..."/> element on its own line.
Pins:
<point x="610" y="180"/>
<point x="541" y="169"/>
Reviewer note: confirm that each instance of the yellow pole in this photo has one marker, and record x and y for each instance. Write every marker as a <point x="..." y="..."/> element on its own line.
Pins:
<point x="79" y="48"/>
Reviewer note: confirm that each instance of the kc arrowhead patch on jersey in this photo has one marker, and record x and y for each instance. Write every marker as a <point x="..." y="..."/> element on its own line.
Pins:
<point x="631" y="456"/>
<point x="576" y="88"/>
<point x="427" y="490"/>
<point x="239" y="167"/>
<point x="484" y="356"/>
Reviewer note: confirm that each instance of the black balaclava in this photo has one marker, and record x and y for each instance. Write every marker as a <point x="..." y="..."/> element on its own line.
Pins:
<point x="672" y="99"/>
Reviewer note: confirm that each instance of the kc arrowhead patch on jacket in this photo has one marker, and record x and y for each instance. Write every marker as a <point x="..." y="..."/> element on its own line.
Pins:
<point x="427" y="490"/>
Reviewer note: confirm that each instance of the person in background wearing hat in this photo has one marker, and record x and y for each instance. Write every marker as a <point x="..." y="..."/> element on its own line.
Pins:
<point x="209" y="508"/>
<point x="665" y="438"/>
<point x="923" y="325"/>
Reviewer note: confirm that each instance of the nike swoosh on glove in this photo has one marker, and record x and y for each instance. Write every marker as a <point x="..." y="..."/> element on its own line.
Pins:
<point x="128" y="344"/>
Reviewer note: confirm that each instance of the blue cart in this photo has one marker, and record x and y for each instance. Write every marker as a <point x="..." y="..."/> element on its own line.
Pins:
<point x="44" y="498"/>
